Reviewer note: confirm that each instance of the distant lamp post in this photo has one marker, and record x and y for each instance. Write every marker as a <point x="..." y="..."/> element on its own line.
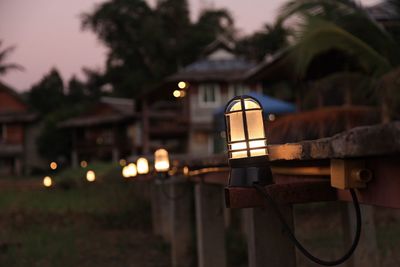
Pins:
<point x="177" y="93"/>
<point x="53" y="165"/>
<point x="47" y="181"/>
<point x="161" y="161"/>
<point x="129" y="170"/>
<point x="142" y="166"/>
<point x="182" y="85"/>
<point x="90" y="176"/>
<point x="84" y="164"/>
<point x="122" y="162"/>
<point x="247" y="143"/>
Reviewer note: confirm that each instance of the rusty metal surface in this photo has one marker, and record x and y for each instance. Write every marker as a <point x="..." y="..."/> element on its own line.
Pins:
<point x="296" y="192"/>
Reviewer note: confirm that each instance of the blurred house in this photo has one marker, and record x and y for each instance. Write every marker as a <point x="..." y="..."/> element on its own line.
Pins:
<point x="326" y="96"/>
<point x="179" y="112"/>
<point x="18" y="133"/>
<point x="106" y="131"/>
<point x="384" y="13"/>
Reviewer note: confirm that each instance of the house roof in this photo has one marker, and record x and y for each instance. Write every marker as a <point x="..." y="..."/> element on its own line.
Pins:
<point x="217" y="63"/>
<point x="274" y="68"/>
<point x="120" y="110"/>
<point x="213" y="70"/>
<point x="383" y="12"/>
<point x="7" y="116"/>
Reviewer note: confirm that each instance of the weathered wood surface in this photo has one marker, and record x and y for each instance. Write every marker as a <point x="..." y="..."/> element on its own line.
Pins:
<point x="365" y="141"/>
<point x="210" y="225"/>
<point x="298" y="192"/>
<point x="267" y="243"/>
<point x="182" y="227"/>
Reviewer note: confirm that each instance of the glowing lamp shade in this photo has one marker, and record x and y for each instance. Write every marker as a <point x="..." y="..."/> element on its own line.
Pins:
<point x="53" y="165"/>
<point x="142" y="166"/>
<point x="161" y="160"/>
<point x="47" y="181"/>
<point x="90" y="176"/>
<point x="245" y="128"/>
<point x="246" y="142"/>
<point x="129" y="171"/>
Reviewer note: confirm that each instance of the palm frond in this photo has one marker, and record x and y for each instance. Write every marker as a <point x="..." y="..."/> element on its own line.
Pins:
<point x="320" y="36"/>
<point x="4" y="68"/>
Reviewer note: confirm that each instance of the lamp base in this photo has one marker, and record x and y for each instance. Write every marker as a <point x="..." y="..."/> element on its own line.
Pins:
<point x="247" y="177"/>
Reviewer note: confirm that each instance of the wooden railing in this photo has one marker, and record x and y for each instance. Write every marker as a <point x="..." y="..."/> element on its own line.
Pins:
<point x="302" y="173"/>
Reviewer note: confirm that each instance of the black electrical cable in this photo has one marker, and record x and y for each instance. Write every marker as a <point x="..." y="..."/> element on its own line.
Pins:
<point x="299" y="246"/>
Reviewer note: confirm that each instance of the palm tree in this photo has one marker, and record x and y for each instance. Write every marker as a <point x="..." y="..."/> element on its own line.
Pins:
<point x="325" y="25"/>
<point x="6" y="67"/>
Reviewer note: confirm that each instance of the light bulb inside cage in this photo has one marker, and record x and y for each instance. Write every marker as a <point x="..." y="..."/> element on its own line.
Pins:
<point x="247" y="142"/>
<point x="161" y="160"/>
<point x="142" y="166"/>
<point x="129" y="170"/>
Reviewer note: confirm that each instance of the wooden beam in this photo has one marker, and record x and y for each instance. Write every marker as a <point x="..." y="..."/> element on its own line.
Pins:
<point x="210" y="225"/>
<point x="296" y="192"/>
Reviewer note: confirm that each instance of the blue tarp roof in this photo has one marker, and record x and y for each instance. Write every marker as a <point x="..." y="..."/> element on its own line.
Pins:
<point x="270" y="106"/>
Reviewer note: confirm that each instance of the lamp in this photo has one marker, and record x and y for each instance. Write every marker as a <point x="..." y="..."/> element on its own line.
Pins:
<point x="90" y="176"/>
<point x="142" y="166"/>
<point x="161" y="161"/>
<point x="47" y="181"/>
<point x="247" y="143"/>
<point x="129" y="171"/>
<point x="248" y="159"/>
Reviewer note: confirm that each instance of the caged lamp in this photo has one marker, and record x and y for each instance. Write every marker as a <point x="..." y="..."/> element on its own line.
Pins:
<point x="142" y="166"/>
<point x="247" y="142"/>
<point x="161" y="162"/>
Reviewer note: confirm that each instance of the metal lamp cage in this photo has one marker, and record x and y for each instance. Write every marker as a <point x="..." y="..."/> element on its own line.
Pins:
<point x="161" y="160"/>
<point x="245" y="131"/>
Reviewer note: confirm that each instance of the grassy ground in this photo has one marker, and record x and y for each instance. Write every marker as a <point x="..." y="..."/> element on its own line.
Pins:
<point x="107" y="223"/>
<point x="78" y="224"/>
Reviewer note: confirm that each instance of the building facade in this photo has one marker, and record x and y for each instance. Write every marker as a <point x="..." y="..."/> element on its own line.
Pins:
<point x="17" y="134"/>
<point x="203" y="87"/>
<point x="106" y="131"/>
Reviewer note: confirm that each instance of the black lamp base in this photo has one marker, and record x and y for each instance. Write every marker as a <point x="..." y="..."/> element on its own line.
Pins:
<point x="244" y="174"/>
<point x="162" y="176"/>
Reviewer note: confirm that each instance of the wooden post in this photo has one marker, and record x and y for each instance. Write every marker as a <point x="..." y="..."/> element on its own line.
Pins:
<point x="145" y="128"/>
<point x="182" y="238"/>
<point x="366" y="254"/>
<point x="155" y="209"/>
<point x="165" y="203"/>
<point x="210" y="225"/>
<point x="267" y="243"/>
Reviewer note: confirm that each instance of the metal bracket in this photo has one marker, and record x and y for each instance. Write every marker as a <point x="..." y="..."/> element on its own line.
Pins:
<point x="349" y="173"/>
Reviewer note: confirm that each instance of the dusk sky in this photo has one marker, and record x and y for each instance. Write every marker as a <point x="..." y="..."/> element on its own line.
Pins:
<point x="47" y="33"/>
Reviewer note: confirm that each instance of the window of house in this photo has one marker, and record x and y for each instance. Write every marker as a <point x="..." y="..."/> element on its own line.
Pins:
<point x="238" y="89"/>
<point x="209" y="95"/>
